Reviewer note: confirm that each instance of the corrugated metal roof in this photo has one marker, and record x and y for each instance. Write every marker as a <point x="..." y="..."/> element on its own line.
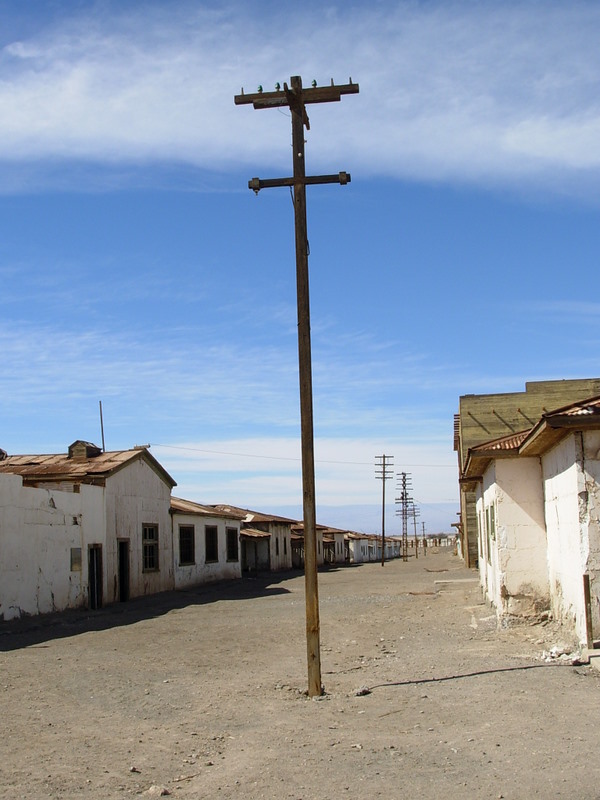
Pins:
<point x="254" y="516"/>
<point x="503" y="443"/>
<point x="584" y="408"/>
<point x="252" y="533"/>
<point x="181" y="506"/>
<point x="59" y="467"/>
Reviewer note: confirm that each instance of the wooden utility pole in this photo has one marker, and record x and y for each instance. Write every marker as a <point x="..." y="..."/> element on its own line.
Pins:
<point x="405" y="502"/>
<point x="384" y="472"/>
<point x="296" y="98"/>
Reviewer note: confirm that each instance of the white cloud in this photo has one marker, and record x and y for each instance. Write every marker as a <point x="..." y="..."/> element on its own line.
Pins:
<point x="474" y="92"/>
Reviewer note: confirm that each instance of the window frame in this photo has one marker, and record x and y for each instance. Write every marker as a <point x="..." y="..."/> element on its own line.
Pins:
<point x="232" y="541"/>
<point x="211" y="531"/>
<point x="150" y="549"/>
<point x="190" y="546"/>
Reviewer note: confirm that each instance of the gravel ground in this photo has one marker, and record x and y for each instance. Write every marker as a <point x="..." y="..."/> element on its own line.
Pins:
<point x="202" y="695"/>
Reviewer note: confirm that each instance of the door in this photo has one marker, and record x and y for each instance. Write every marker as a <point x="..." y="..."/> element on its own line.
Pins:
<point x="123" y="568"/>
<point x="95" y="576"/>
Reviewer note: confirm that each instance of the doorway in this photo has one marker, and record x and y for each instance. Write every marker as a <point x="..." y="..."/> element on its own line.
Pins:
<point x="123" y="569"/>
<point x="95" y="576"/>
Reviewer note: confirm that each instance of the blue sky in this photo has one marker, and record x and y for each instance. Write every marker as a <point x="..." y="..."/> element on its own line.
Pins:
<point x="137" y="268"/>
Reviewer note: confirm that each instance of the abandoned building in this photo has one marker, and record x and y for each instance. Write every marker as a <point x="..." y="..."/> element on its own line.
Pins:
<point x="87" y="528"/>
<point x="482" y="418"/>
<point x="537" y="514"/>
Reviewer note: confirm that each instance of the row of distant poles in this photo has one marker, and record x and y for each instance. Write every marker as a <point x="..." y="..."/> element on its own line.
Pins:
<point x="407" y="508"/>
<point x="296" y="98"/>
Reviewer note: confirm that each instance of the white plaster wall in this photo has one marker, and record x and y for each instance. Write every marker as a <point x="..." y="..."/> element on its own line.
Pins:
<point x="280" y="541"/>
<point x="572" y="478"/>
<point x="513" y="561"/>
<point x="38" y="528"/>
<point x="521" y="536"/>
<point x="202" y="572"/>
<point x="340" y="551"/>
<point x="358" y="550"/>
<point x="567" y="553"/>
<point x="591" y="518"/>
<point x="485" y="495"/>
<point x="136" y="495"/>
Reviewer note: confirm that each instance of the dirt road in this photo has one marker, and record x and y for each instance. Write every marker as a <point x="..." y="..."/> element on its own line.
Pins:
<point x="201" y="695"/>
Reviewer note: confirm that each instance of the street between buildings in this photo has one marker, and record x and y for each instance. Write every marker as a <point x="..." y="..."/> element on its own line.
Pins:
<point x="201" y="694"/>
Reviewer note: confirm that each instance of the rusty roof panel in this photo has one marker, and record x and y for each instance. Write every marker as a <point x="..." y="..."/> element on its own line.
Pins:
<point x="60" y="466"/>
<point x="181" y="506"/>
<point x="51" y="467"/>
<point x="254" y="534"/>
<point x="584" y="408"/>
<point x="502" y="444"/>
<point x="254" y="516"/>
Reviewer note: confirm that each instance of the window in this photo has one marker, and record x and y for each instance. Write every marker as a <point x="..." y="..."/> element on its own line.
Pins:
<point x="232" y="544"/>
<point x="276" y="545"/>
<point x="187" y="544"/>
<point x="490" y="529"/>
<point x="211" y="541"/>
<point x="284" y="546"/>
<point x="150" y="547"/>
<point x="481" y="533"/>
<point x="76" y="559"/>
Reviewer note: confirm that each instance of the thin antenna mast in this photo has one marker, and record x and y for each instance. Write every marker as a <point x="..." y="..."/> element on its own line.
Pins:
<point x="102" y="426"/>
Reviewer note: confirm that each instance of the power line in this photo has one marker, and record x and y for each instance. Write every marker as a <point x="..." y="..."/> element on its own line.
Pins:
<point x="286" y="458"/>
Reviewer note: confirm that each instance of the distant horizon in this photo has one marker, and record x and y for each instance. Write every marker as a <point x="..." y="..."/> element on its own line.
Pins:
<point x="366" y="518"/>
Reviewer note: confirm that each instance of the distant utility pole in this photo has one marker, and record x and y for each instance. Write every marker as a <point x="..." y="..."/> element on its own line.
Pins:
<point x="384" y="467"/>
<point x="415" y="513"/>
<point x="296" y="99"/>
<point x="404" y="500"/>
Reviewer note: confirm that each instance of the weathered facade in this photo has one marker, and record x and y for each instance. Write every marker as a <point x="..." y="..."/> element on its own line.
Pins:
<point x="103" y="517"/>
<point x="44" y="538"/>
<point x="206" y="543"/>
<point x="482" y="418"/>
<point x="538" y="512"/>
<point x="567" y="441"/>
<point x="298" y="533"/>
<point x="256" y="548"/>
<point x="279" y="539"/>
<point x="334" y="546"/>
<point x="511" y="527"/>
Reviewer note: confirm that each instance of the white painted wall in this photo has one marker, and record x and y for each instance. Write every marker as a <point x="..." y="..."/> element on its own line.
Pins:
<point x="571" y="481"/>
<point x="201" y="571"/>
<point x="563" y="481"/>
<point x="521" y="536"/>
<point x="513" y="566"/>
<point x="38" y="528"/>
<point x="135" y="496"/>
<point x="339" y="548"/>
<point x="280" y="545"/>
<point x="357" y="549"/>
<point x="591" y="502"/>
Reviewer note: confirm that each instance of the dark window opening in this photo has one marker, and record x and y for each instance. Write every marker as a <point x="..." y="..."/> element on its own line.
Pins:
<point x="211" y="540"/>
<point x="187" y="548"/>
<point x="232" y="544"/>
